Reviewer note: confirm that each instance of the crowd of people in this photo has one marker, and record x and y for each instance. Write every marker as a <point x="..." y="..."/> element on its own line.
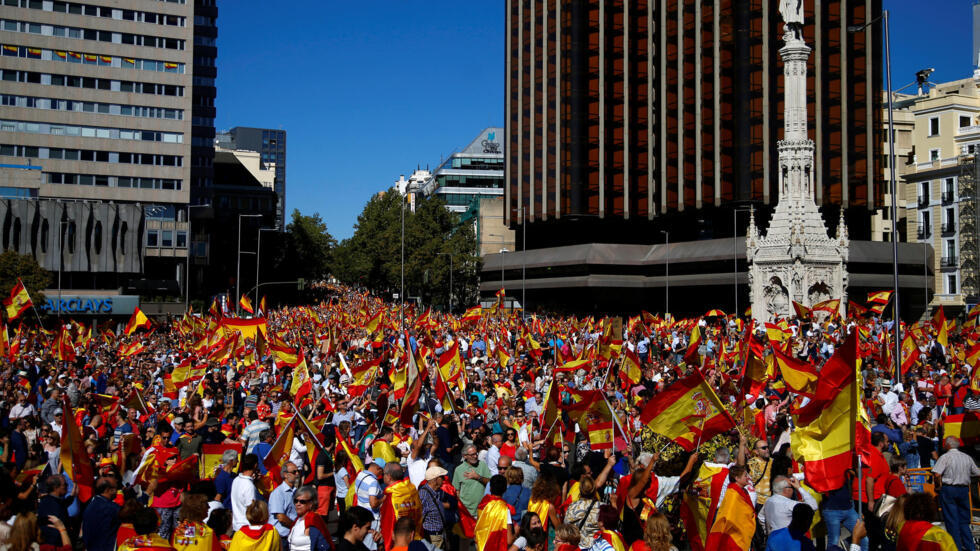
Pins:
<point x="350" y="424"/>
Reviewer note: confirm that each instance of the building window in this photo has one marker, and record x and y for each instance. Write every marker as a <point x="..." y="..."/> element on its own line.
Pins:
<point x="181" y="239"/>
<point x="965" y="121"/>
<point x="950" y="249"/>
<point x="924" y="193"/>
<point x="933" y="154"/>
<point x="152" y="238"/>
<point x="934" y="126"/>
<point x="951" y="284"/>
<point x="167" y="238"/>
<point x="926" y="225"/>
<point x="950" y="217"/>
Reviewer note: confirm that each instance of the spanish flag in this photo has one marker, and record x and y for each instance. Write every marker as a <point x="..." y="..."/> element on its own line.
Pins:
<point x="34" y="52"/>
<point x="920" y="535"/>
<point x="801" y="310"/>
<point x="831" y="306"/>
<point x="965" y="426"/>
<point x="262" y="308"/>
<point x="601" y="435"/>
<point x="19" y="301"/>
<point x="451" y="363"/>
<point x="492" y="518"/>
<point x="735" y="522"/>
<point x="129" y="60"/>
<point x="800" y="376"/>
<point x="502" y="356"/>
<point x="74" y="459"/>
<point x="105" y="59"/>
<point x="246" y="304"/>
<point x="939" y="322"/>
<point x="687" y="411"/>
<point x="692" y="357"/>
<point x="169" y="65"/>
<point x="410" y="403"/>
<point x="880" y="297"/>
<point x="574" y="365"/>
<point x="855" y="309"/>
<point x="301" y="385"/>
<point x="373" y="322"/>
<point x="401" y="500"/>
<point x="136" y="321"/>
<point x="629" y="369"/>
<point x="826" y="427"/>
<point x="472" y="314"/>
<point x="910" y="353"/>
<point x="355" y="462"/>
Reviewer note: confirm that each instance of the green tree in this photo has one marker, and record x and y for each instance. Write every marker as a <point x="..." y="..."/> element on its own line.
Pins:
<point x="372" y="256"/>
<point x="309" y="247"/>
<point x="23" y="266"/>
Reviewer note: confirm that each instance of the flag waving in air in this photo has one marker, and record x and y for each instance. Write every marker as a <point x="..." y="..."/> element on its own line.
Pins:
<point x="686" y="412"/>
<point x="19" y="301"/>
<point x="246" y="304"/>
<point x="136" y="321"/>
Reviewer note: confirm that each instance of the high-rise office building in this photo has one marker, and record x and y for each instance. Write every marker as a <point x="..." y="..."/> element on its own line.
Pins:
<point x="271" y="144"/>
<point x="99" y="95"/>
<point x="625" y="112"/>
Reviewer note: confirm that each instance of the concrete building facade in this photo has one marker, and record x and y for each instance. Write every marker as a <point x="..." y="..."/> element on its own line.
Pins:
<point x="271" y="145"/>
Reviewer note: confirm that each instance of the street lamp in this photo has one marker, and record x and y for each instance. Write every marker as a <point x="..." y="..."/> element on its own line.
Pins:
<point x="450" y="279"/>
<point x="896" y="322"/>
<point x="190" y="248"/>
<point x="523" y="262"/>
<point x="238" y="271"/>
<point x="502" y="281"/>
<point x="258" y="257"/>
<point x="667" y="274"/>
<point x="61" y="255"/>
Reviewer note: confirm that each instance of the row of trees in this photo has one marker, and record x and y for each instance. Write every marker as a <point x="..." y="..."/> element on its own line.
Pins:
<point x="433" y="235"/>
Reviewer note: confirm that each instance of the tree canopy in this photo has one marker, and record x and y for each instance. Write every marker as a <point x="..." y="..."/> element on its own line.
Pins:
<point x="23" y="266"/>
<point x="372" y="256"/>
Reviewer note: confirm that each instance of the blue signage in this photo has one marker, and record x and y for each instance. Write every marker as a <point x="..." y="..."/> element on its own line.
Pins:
<point x="91" y="305"/>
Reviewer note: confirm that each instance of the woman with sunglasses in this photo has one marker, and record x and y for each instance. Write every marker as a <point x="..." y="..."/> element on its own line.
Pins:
<point x="309" y="532"/>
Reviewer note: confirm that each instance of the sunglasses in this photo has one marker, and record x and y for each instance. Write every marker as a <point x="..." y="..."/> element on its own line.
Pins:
<point x="762" y="447"/>
<point x="303" y="501"/>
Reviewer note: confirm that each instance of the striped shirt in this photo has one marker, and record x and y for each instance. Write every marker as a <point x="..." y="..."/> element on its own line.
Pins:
<point x="366" y="485"/>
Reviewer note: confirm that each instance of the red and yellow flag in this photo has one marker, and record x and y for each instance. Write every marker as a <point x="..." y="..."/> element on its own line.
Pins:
<point x="879" y="297"/>
<point x="965" y="426"/>
<point x="826" y="427"/>
<point x="75" y="461"/>
<point x="401" y="500"/>
<point x="18" y="302"/>
<point x="492" y="520"/>
<point x="687" y="411"/>
<point x="910" y="352"/>
<point x="692" y="357"/>
<point x="920" y="535"/>
<point x="630" y="370"/>
<point x="246" y="304"/>
<point x="734" y="524"/>
<point x="801" y="310"/>
<point x="939" y="322"/>
<point x="136" y="321"/>
<point x="372" y="323"/>
<point x="800" y="376"/>
<point x="301" y="385"/>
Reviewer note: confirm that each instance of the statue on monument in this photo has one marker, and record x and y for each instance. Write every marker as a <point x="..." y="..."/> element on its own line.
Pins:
<point x="792" y="12"/>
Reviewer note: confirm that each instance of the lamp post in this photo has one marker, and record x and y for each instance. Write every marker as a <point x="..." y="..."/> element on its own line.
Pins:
<point x="61" y="255"/>
<point x="523" y="262"/>
<point x="238" y="270"/>
<point x="258" y="258"/>
<point x="735" y="252"/>
<point x="667" y="274"/>
<point x="896" y="322"/>
<point x="190" y="248"/>
<point x="401" y="294"/>
<point x="502" y="281"/>
<point x="450" y="279"/>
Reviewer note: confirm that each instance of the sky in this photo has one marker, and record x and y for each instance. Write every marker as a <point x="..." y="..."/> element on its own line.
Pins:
<point x="367" y="92"/>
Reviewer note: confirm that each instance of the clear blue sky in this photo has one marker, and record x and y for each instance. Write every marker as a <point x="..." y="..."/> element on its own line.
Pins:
<point x="368" y="91"/>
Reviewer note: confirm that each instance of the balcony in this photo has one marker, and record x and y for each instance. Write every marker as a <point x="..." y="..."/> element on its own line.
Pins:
<point x="924" y="233"/>
<point x="948" y="197"/>
<point x="923" y="201"/>
<point x="949" y="229"/>
<point x="948" y="262"/>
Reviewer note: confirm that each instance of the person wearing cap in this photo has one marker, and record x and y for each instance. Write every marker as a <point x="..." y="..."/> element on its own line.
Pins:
<point x="58" y="421"/>
<point x="433" y="499"/>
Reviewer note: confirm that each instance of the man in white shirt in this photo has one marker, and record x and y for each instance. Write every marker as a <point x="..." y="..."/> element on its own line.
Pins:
<point x="22" y="408"/>
<point x="778" y="510"/>
<point x="493" y="454"/>
<point x="243" y="491"/>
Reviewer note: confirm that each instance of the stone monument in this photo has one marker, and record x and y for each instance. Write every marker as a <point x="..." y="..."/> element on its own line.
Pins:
<point x="796" y="259"/>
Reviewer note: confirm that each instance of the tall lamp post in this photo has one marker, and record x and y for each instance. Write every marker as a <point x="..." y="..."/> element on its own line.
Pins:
<point x="896" y="321"/>
<point x="61" y="254"/>
<point x="666" y="273"/>
<point x="523" y="262"/>
<point x="450" y="279"/>
<point x="502" y="281"/>
<point x="238" y="270"/>
<point x="258" y="258"/>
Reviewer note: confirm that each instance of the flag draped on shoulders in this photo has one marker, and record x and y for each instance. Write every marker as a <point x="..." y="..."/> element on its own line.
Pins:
<point x="735" y="523"/>
<point x="400" y="500"/>
<point x="919" y="535"/>
<point x="492" y="519"/>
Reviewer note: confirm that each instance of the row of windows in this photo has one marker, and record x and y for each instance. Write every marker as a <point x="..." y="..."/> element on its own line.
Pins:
<point x="165" y="238"/>
<point x="120" y="157"/>
<point x="48" y="79"/>
<point x="101" y="11"/>
<point x="91" y="107"/>
<point x="90" y="131"/>
<point x="91" y="34"/>
<point x="113" y="181"/>
<point x="45" y="54"/>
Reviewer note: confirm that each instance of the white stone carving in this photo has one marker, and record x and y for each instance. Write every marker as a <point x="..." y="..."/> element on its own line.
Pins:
<point x="795" y="259"/>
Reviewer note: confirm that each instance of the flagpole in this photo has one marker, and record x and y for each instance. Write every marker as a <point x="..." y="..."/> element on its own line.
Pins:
<point x="615" y="418"/>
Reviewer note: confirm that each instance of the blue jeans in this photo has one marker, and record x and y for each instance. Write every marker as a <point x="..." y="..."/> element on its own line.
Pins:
<point x="834" y="519"/>
<point x="955" y="502"/>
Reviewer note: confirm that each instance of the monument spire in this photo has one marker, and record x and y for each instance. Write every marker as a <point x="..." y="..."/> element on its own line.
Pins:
<point x="796" y="259"/>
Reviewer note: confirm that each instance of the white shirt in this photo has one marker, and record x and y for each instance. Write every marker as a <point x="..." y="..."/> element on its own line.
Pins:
<point x="298" y="539"/>
<point x="19" y="411"/>
<point x="242" y="495"/>
<point x="778" y="510"/>
<point x="416" y="470"/>
<point x="493" y="454"/>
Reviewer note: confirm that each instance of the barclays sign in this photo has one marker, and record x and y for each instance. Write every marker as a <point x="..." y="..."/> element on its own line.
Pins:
<point x="108" y="305"/>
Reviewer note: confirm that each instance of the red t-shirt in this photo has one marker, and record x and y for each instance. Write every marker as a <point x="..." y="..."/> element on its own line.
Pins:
<point x="959" y="396"/>
<point x="943" y="392"/>
<point x="894" y="485"/>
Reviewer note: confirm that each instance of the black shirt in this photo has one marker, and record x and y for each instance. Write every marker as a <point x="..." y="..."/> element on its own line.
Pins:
<point x="326" y="461"/>
<point x="345" y="545"/>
